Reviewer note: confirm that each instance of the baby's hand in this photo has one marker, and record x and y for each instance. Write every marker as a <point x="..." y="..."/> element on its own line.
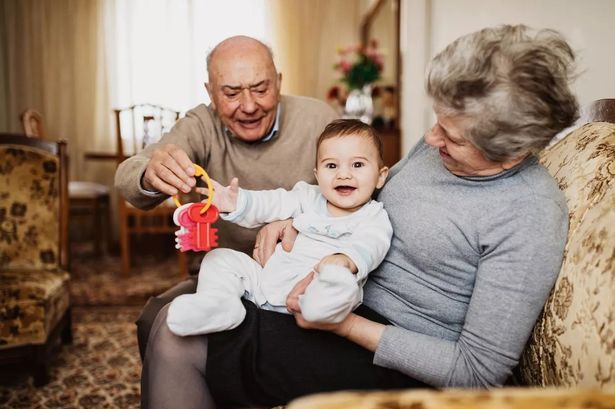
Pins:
<point x="225" y="198"/>
<point x="339" y="260"/>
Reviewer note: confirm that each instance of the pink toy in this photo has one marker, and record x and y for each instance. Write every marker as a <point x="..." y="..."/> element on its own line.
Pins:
<point x="195" y="219"/>
<point x="195" y="231"/>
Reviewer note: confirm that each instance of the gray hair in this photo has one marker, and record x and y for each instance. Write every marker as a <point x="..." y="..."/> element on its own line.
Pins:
<point x="235" y="38"/>
<point x="512" y="82"/>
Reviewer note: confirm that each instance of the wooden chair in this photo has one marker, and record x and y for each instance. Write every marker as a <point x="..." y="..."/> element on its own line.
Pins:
<point x="34" y="295"/>
<point x="32" y="123"/>
<point x="88" y="200"/>
<point x="137" y="126"/>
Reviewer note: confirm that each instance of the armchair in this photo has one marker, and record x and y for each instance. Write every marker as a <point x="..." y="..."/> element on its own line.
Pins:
<point x="88" y="200"/>
<point x="34" y="296"/>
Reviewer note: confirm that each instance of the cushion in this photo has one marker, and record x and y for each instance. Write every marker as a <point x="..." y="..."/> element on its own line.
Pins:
<point x="573" y="343"/>
<point x="29" y="209"/>
<point x="31" y="304"/>
<point x="507" y="398"/>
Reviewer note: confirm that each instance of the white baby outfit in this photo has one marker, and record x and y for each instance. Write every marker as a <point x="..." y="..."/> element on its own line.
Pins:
<point x="227" y="275"/>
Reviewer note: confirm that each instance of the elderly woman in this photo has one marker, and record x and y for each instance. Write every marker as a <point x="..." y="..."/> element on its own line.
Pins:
<point x="479" y="231"/>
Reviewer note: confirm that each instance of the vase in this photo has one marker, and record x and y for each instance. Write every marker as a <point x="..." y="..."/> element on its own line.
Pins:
<point x="359" y="104"/>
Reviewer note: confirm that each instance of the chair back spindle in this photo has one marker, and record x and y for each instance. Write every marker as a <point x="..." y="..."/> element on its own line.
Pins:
<point x="136" y="127"/>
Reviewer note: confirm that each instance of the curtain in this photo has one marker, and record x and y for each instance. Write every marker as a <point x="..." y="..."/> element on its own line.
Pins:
<point x="157" y="48"/>
<point x="52" y="63"/>
<point x="4" y="98"/>
<point x="307" y="35"/>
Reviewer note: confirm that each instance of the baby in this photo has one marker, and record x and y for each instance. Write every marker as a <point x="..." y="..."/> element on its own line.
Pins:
<point x="343" y="235"/>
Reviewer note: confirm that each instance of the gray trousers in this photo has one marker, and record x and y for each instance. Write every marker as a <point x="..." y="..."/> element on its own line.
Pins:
<point x="154" y="305"/>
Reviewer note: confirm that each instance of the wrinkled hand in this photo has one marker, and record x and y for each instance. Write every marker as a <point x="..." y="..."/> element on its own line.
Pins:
<point x="225" y="197"/>
<point x="338" y="260"/>
<point x="292" y="299"/>
<point x="268" y="237"/>
<point x="292" y="305"/>
<point x="341" y="328"/>
<point x="169" y="171"/>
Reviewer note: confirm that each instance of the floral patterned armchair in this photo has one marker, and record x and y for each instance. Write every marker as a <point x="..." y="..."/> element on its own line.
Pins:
<point x="34" y="293"/>
<point x="571" y="353"/>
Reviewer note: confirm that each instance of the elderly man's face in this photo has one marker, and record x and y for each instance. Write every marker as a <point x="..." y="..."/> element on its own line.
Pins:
<point x="245" y="91"/>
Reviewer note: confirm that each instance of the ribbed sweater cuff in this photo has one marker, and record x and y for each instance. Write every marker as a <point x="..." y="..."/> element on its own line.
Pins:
<point x="412" y="354"/>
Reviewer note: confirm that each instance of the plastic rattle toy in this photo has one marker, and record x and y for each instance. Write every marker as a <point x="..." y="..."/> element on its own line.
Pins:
<point x="194" y="220"/>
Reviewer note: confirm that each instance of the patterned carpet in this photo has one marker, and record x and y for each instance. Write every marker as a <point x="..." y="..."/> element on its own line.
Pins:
<point x="101" y="369"/>
<point x="98" y="281"/>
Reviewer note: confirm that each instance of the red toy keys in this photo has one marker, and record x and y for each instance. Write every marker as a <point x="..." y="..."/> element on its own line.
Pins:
<point x="195" y="219"/>
<point x="195" y="231"/>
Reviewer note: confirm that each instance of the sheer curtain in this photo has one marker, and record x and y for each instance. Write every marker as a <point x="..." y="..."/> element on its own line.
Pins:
<point x="156" y="49"/>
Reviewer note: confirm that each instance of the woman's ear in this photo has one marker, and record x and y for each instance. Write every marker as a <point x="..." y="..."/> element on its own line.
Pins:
<point x="382" y="176"/>
<point x="511" y="163"/>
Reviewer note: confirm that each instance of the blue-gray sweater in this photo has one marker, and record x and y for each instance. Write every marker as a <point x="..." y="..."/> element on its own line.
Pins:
<point x="471" y="263"/>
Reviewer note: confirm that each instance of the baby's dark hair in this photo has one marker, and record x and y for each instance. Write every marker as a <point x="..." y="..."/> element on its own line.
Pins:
<point x="347" y="127"/>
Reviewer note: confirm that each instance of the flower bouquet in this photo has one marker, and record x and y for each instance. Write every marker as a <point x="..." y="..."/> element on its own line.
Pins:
<point x="359" y="67"/>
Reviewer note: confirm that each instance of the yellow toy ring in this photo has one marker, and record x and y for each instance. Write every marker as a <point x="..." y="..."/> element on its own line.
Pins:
<point x="199" y="171"/>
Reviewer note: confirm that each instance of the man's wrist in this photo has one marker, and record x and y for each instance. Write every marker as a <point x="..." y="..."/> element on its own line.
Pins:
<point x="142" y="182"/>
<point x="147" y="189"/>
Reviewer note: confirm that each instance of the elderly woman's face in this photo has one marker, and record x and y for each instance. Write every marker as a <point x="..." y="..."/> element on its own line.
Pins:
<point x="458" y="155"/>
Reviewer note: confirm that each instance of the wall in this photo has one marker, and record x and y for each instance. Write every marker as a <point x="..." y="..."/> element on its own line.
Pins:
<point x="429" y="25"/>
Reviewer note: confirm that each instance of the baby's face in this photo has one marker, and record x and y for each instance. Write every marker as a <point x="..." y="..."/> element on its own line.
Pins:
<point x="348" y="172"/>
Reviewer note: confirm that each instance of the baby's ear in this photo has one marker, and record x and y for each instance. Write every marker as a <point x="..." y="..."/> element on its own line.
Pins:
<point x="315" y="174"/>
<point x="382" y="176"/>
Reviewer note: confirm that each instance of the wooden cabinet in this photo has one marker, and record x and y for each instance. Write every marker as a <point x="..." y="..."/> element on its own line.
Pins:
<point x="391" y="138"/>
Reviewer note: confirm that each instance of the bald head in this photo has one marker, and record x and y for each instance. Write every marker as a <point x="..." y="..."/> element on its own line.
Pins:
<point x="236" y="46"/>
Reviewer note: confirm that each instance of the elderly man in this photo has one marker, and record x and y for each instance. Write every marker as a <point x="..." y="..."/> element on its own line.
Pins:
<point x="248" y="131"/>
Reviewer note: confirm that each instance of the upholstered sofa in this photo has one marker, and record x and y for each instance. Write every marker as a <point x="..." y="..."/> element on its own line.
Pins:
<point x="34" y="282"/>
<point x="570" y="356"/>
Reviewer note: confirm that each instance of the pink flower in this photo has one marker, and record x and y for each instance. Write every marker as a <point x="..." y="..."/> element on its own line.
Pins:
<point x="359" y="65"/>
<point x="345" y="66"/>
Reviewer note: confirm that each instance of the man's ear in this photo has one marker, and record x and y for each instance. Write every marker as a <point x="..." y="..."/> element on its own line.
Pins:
<point x="279" y="80"/>
<point x="382" y="176"/>
<point x="211" y="97"/>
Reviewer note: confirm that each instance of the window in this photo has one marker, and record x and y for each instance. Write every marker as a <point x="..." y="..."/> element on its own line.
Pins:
<point x="156" y="49"/>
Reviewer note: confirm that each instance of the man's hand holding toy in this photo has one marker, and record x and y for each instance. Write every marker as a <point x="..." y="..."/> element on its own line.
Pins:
<point x="195" y="219"/>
